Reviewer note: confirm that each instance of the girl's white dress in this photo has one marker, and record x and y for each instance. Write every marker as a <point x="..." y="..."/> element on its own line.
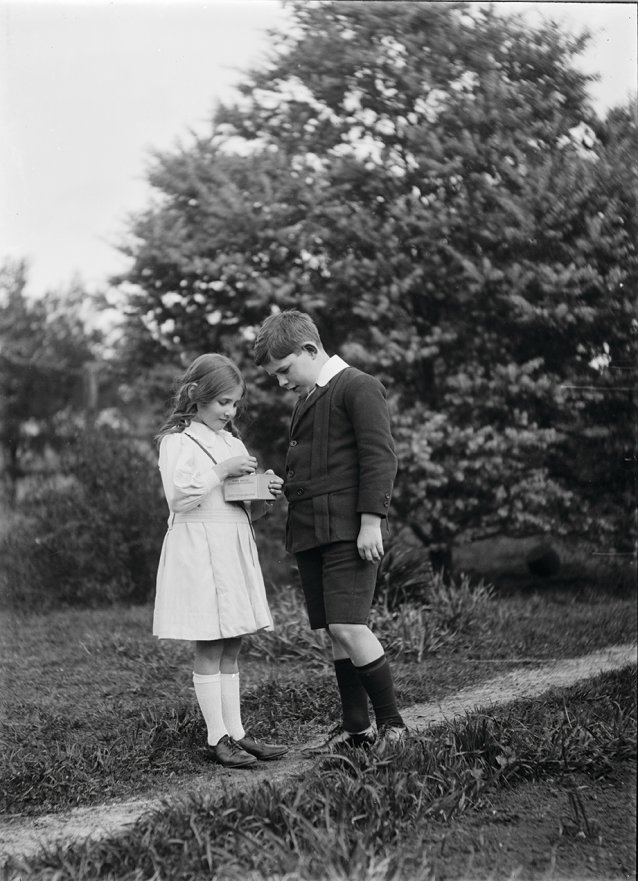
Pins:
<point x="209" y="582"/>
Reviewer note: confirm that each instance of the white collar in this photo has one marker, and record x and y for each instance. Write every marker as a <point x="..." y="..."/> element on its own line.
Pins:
<point x="206" y="435"/>
<point x="330" y="369"/>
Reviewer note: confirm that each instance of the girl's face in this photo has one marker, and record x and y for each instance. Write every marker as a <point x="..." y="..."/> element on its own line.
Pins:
<point x="219" y="412"/>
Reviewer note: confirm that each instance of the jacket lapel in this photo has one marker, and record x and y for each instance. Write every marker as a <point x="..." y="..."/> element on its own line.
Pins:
<point x="306" y="405"/>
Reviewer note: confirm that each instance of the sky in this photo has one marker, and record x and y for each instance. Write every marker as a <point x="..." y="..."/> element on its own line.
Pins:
<point x="89" y="89"/>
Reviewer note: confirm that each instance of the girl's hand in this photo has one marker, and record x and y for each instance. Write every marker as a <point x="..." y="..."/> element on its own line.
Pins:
<point x="238" y="466"/>
<point x="275" y="484"/>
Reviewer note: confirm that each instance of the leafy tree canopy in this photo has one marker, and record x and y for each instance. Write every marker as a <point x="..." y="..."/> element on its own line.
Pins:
<point x="432" y="184"/>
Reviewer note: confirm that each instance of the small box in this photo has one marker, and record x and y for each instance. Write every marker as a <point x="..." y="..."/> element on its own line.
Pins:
<point x="251" y="486"/>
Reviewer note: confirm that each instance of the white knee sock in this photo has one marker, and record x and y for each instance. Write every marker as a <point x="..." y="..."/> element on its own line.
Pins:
<point x="231" y="711"/>
<point x="208" y="692"/>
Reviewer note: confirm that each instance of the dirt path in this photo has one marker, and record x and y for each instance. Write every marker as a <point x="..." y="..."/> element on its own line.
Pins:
<point x="20" y="837"/>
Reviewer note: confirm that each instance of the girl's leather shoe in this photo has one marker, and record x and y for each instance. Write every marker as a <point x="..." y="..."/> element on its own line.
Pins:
<point x="261" y="750"/>
<point x="230" y="754"/>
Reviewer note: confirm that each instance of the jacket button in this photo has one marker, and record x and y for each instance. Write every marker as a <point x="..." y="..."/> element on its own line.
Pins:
<point x="386" y="504"/>
<point x="290" y="472"/>
<point x="300" y="492"/>
<point x="293" y="443"/>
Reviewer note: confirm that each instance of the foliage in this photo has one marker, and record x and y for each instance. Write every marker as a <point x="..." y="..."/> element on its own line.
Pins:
<point x="450" y="608"/>
<point x="91" y="535"/>
<point x="432" y="184"/>
<point x="404" y="575"/>
<point x="47" y="346"/>
<point x="410" y="630"/>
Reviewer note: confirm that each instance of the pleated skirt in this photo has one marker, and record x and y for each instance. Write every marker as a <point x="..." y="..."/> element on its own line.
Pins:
<point x="209" y="581"/>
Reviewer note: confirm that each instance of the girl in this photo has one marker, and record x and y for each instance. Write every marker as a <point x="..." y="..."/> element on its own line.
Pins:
<point x="209" y="584"/>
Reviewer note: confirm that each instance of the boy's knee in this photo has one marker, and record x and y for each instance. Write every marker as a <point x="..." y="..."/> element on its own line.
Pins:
<point x="345" y="632"/>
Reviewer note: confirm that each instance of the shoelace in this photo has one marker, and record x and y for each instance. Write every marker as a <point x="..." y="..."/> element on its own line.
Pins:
<point x="250" y="737"/>
<point x="232" y="745"/>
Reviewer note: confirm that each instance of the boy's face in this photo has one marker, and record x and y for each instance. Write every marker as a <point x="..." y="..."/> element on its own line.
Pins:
<point x="296" y="372"/>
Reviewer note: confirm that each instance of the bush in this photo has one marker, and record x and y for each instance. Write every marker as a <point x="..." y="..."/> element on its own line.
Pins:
<point x="411" y="630"/>
<point x="91" y="535"/>
<point x="448" y="608"/>
<point x="405" y="576"/>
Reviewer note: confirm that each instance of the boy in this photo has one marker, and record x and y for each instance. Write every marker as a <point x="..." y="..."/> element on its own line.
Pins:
<point x="340" y="469"/>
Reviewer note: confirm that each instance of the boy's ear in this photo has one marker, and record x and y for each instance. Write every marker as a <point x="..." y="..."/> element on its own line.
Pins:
<point x="310" y="348"/>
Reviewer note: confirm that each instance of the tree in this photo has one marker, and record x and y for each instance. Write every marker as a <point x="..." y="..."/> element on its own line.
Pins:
<point x="45" y="345"/>
<point x="432" y="184"/>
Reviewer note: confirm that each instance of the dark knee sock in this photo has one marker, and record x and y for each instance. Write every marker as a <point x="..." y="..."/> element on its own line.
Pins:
<point x="376" y="678"/>
<point x="354" y="697"/>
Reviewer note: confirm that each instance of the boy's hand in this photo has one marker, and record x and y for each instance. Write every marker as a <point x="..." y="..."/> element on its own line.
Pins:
<point x="275" y="484"/>
<point x="369" y="541"/>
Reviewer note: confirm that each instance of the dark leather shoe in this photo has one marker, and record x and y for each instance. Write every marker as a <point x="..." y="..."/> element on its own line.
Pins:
<point x="229" y="754"/>
<point x="392" y="737"/>
<point x="261" y="750"/>
<point x="339" y="740"/>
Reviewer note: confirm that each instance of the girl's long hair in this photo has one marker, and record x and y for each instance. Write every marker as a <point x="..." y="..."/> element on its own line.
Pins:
<point x="208" y="377"/>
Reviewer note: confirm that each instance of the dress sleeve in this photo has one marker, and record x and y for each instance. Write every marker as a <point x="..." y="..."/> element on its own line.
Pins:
<point x="184" y="479"/>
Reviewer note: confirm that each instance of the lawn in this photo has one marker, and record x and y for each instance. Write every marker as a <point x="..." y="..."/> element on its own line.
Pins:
<point x="96" y="709"/>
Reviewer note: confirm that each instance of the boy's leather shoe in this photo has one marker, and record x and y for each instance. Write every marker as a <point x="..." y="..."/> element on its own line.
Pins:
<point x="339" y="739"/>
<point x="261" y="750"/>
<point x="230" y="755"/>
<point x="390" y="736"/>
<point x="393" y="733"/>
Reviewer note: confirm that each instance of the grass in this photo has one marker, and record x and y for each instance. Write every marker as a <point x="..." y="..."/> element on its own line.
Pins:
<point x="96" y="709"/>
<point x="398" y="816"/>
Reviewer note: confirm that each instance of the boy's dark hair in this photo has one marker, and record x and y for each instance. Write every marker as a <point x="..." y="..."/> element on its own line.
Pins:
<point x="282" y="334"/>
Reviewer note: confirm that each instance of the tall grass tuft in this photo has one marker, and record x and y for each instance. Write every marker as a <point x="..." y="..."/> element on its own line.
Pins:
<point x="449" y="608"/>
<point x="408" y="629"/>
<point x="292" y="638"/>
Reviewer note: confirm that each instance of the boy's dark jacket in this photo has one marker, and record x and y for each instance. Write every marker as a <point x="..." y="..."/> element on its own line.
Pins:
<point x="340" y="461"/>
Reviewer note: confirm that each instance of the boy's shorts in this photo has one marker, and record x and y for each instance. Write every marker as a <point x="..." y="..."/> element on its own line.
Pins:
<point x="337" y="584"/>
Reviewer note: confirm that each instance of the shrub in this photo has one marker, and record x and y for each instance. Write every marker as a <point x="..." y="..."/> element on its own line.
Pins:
<point x="410" y="631"/>
<point x="405" y="576"/>
<point x="92" y="534"/>
<point x="447" y="608"/>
